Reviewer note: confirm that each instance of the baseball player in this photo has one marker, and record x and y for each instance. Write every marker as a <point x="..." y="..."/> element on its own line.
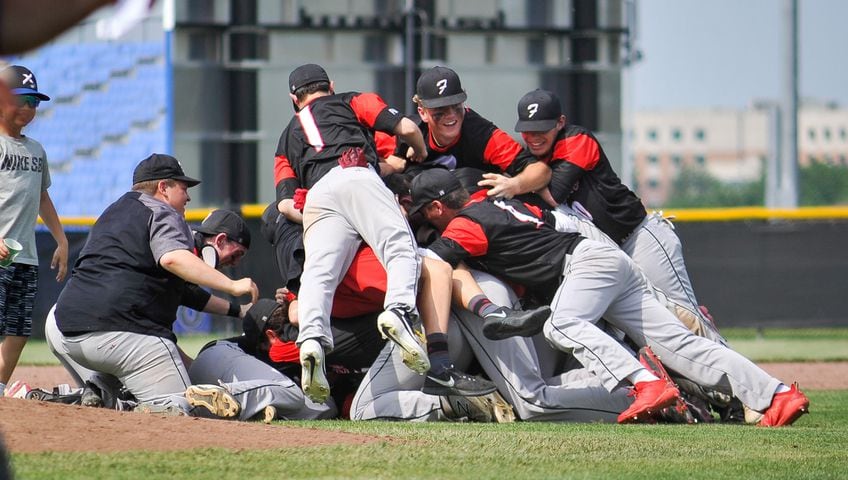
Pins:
<point x="116" y="311"/>
<point x="221" y="240"/>
<point x="328" y="151"/>
<point x="457" y="136"/>
<point x="587" y="280"/>
<point x="584" y="180"/>
<point x="245" y="364"/>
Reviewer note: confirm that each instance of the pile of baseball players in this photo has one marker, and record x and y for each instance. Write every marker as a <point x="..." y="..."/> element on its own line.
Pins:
<point x="432" y="270"/>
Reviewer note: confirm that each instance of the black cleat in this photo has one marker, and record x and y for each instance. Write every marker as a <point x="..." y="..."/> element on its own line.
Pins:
<point x="455" y="383"/>
<point x="506" y="322"/>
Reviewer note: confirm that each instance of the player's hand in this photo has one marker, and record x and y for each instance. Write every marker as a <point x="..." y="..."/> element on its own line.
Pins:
<point x="416" y="157"/>
<point x="60" y="262"/>
<point x="500" y="185"/>
<point x="245" y="286"/>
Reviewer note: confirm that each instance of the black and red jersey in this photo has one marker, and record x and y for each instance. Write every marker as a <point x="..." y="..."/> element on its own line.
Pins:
<point x="481" y="145"/>
<point x="324" y="129"/>
<point x="582" y="172"/>
<point x="510" y="239"/>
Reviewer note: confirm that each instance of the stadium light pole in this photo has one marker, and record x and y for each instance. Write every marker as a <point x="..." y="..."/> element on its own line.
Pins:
<point x="787" y="190"/>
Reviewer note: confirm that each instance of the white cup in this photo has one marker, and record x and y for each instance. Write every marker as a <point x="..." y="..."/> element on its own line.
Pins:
<point x="14" y="249"/>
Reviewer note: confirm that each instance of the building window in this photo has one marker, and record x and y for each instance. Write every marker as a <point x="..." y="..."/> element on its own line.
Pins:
<point x="843" y="160"/>
<point x="653" y="159"/>
<point x="652" y="134"/>
<point x="676" y="134"/>
<point x="700" y="160"/>
<point x="826" y="134"/>
<point x="376" y="49"/>
<point x="811" y="134"/>
<point x="653" y="184"/>
<point x="700" y="134"/>
<point x="843" y="134"/>
<point x="536" y="51"/>
<point x="676" y="160"/>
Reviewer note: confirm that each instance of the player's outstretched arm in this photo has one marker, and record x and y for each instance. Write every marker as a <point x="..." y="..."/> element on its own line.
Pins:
<point x="191" y="268"/>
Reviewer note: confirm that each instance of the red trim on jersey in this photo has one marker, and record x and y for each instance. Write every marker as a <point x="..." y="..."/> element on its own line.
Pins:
<point x="281" y="351"/>
<point x="581" y="150"/>
<point x="501" y="150"/>
<point x="367" y="106"/>
<point x="386" y="144"/>
<point x="469" y="235"/>
<point x="363" y="288"/>
<point x="479" y="195"/>
<point x="282" y="169"/>
<point x="535" y="210"/>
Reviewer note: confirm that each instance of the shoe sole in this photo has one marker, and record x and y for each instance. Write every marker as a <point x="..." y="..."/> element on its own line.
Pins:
<point x="313" y="381"/>
<point x="218" y="401"/>
<point x="531" y="326"/>
<point x="169" y="411"/>
<point x="269" y="414"/>
<point x="414" y="355"/>
<point x="668" y="398"/>
<point x="442" y="391"/>
<point x="502" y="410"/>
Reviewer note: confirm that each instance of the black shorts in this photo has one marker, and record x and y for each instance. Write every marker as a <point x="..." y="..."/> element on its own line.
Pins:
<point x="18" y="285"/>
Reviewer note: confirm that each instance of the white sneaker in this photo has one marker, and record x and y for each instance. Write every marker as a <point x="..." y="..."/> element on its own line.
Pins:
<point x="394" y="324"/>
<point x="313" y="380"/>
<point x="17" y="389"/>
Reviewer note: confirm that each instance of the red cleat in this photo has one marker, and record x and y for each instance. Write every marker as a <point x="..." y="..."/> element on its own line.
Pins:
<point x="651" y="397"/>
<point x="785" y="408"/>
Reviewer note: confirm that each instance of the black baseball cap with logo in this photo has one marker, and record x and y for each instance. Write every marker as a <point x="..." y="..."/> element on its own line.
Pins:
<point x="538" y="111"/>
<point x="225" y="221"/>
<point x="21" y="81"/>
<point x="306" y="74"/>
<point x="160" y="166"/>
<point x="432" y="184"/>
<point x="439" y="87"/>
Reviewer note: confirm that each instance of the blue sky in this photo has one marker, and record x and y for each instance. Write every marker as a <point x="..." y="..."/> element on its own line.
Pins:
<point x="727" y="52"/>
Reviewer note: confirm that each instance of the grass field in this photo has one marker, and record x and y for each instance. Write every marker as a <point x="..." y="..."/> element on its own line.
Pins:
<point x="771" y="345"/>
<point x="816" y="447"/>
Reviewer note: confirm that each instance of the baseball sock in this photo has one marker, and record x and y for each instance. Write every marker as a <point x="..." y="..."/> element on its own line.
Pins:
<point x="437" y="351"/>
<point x="481" y="306"/>
<point x="642" y="375"/>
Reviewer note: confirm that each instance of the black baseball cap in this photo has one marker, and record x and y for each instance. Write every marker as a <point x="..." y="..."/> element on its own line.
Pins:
<point x="21" y="81"/>
<point x="432" y="184"/>
<point x="160" y="166"/>
<point x="306" y="74"/>
<point x="439" y="87"/>
<point x="225" y="221"/>
<point x="256" y="318"/>
<point x="538" y="111"/>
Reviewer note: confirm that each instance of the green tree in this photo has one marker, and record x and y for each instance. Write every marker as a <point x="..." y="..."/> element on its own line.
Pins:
<point x="823" y="184"/>
<point x="694" y="187"/>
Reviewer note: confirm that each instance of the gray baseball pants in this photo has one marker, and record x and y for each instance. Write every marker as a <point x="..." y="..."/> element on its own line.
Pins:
<point x="515" y="367"/>
<point x="601" y="281"/>
<point x="255" y="384"/>
<point x="348" y="206"/>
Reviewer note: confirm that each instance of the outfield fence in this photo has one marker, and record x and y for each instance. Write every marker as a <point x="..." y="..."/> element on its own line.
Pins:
<point x="753" y="267"/>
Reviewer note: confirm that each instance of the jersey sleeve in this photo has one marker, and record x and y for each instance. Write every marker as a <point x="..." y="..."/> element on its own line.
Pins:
<point x="463" y="238"/>
<point x="386" y="144"/>
<point x="373" y="112"/>
<point x="572" y="157"/>
<point x="285" y="178"/>
<point x="168" y="232"/>
<point x="501" y="150"/>
<point x="195" y="297"/>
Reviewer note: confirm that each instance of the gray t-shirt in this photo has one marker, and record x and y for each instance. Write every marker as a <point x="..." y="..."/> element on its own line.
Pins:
<point x="23" y="176"/>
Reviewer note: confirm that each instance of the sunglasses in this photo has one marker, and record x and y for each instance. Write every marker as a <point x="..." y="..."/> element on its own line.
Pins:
<point x="439" y="113"/>
<point x="30" y="100"/>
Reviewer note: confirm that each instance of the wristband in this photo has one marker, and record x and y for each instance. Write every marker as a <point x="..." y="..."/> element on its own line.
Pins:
<point x="235" y="310"/>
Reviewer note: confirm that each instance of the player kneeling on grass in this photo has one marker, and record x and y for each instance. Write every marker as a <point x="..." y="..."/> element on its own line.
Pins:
<point x="587" y="280"/>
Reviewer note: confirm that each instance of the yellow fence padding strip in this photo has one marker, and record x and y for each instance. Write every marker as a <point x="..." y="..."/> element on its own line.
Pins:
<point x="197" y="215"/>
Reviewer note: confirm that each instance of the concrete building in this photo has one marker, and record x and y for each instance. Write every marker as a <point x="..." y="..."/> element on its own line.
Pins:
<point x="733" y="145"/>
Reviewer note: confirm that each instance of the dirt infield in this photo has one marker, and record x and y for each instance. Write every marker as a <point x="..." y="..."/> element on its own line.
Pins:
<point x="29" y="426"/>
